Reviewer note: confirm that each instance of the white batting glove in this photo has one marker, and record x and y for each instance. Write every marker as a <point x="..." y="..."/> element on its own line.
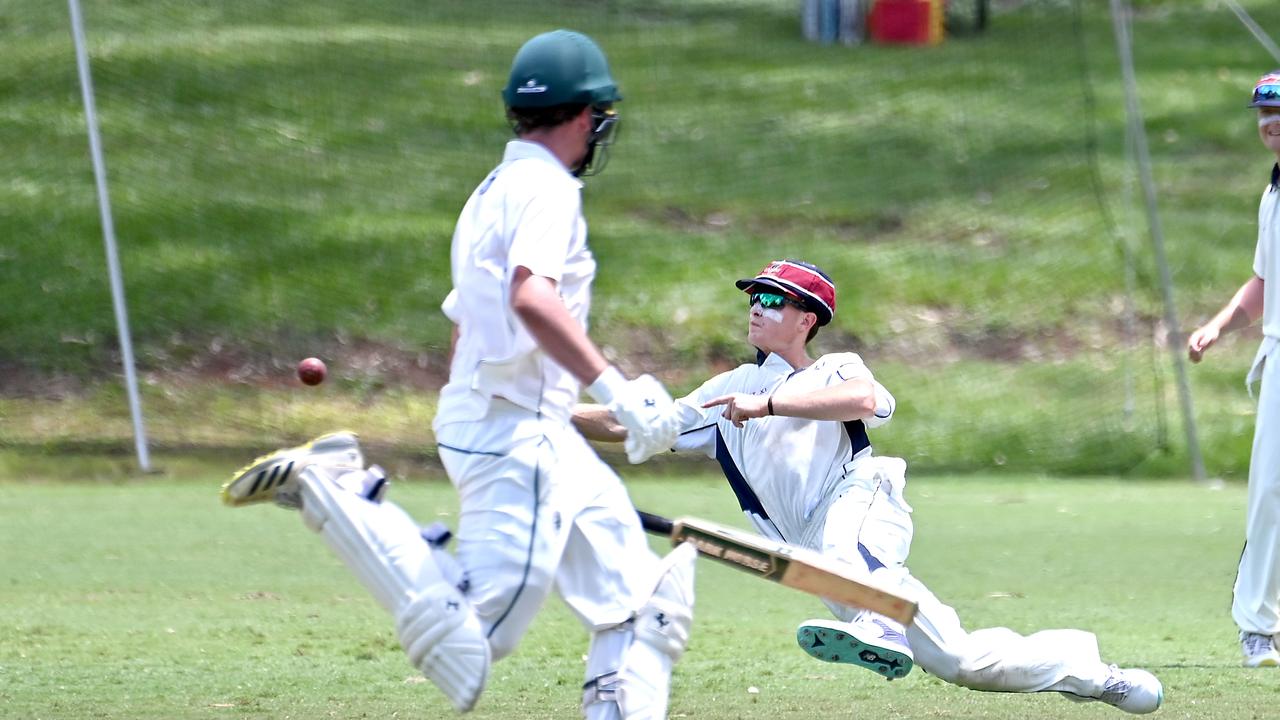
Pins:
<point x="643" y="407"/>
<point x="661" y="437"/>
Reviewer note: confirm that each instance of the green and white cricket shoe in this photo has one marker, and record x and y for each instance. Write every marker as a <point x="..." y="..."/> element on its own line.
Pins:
<point x="273" y="477"/>
<point x="873" y="644"/>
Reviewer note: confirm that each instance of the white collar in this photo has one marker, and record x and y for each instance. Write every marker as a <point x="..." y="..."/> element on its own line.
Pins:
<point x="778" y="364"/>
<point x="529" y="150"/>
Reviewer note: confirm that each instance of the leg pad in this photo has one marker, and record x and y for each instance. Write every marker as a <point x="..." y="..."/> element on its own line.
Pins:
<point x="661" y="633"/>
<point x="444" y="640"/>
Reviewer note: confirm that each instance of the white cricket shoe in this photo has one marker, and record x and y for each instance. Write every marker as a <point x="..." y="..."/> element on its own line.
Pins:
<point x="273" y="476"/>
<point x="1129" y="689"/>
<point x="873" y="644"/>
<point x="1259" y="650"/>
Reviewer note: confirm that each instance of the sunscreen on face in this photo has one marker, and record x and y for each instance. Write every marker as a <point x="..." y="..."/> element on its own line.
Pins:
<point x="771" y="314"/>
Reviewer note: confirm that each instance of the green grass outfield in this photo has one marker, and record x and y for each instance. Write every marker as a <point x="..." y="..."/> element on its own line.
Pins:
<point x="142" y="597"/>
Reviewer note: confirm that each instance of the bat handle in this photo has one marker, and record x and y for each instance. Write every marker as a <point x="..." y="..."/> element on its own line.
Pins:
<point x="655" y="524"/>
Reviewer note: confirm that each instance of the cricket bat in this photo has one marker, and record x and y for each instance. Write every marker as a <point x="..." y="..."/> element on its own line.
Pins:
<point x="796" y="567"/>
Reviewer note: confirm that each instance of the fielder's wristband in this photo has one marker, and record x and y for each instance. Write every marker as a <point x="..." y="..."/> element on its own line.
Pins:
<point x="770" y="404"/>
<point x="607" y="386"/>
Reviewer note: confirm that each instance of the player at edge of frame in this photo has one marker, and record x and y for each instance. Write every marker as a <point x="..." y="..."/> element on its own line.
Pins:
<point x="1255" y="597"/>
<point x="790" y="434"/>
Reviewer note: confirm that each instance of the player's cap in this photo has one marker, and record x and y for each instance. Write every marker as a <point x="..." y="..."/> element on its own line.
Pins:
<point x="1266" y="92"/>
<point x="560" y="67"/>
<point x="801" y="280"/>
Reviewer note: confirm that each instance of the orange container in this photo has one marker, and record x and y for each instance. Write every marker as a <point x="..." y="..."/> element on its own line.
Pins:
<point x="911" y="22"/>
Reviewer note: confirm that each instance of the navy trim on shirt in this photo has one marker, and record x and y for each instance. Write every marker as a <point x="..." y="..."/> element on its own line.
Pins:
<point x="1275" y="177"/>
<point x="873" y="562"/>
<point x="465" y="451"/>
<point x="857" y="432"/>
<point x="747" y="498"/>
<point x="694" y="430"/>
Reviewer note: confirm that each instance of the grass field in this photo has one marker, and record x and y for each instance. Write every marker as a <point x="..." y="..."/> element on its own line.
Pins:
<point x="142" y="597"/>
<point x="285" y="177"/>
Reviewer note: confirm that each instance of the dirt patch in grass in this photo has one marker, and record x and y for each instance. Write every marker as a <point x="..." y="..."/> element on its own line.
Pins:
<point x="921" y="336"/>
<point x="362" y="363"/>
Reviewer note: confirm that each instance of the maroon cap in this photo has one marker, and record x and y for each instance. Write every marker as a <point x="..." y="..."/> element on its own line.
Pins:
<point x="800" y="280"/>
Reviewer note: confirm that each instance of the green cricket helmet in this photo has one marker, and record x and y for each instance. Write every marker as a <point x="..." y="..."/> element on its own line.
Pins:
<point x="560" y="67"/>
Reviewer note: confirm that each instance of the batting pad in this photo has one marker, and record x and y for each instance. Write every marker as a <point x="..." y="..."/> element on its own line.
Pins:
<point x="661" y="633"/>
<point x="382" y="546"/>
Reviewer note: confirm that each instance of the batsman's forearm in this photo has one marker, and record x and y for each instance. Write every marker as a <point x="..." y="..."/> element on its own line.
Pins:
<point x="595" y="422"/>
<point x="535" y="301"/>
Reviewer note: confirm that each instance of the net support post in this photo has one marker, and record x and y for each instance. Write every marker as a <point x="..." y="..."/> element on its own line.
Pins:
<point x="109" y="237"/>
<point x="1120" y="13"/>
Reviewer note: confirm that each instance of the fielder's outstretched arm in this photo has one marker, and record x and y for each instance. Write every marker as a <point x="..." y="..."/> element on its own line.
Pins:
<point x="853" y="399"/>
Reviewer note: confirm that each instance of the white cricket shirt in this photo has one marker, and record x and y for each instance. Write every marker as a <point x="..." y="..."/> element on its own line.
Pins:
<point x="1266" y="258"/>
<point x="527" y="212"/>
<point x="781" y="468"/>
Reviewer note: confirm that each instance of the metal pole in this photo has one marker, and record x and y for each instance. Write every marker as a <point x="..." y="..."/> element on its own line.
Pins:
<point x="1120" y="22"/>
<point x="109" y="236"/>
<point x="1258" y="33"/>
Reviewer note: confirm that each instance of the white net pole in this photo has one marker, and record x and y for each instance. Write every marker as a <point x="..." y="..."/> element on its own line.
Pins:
<point x="1142" y="156"/>
<point x="109" y="237"/>
<point x="1261" y="35"/>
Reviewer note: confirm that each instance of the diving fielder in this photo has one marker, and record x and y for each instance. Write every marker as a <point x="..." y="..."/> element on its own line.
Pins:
<point x="538" y="507"/>
<point x="790" y="434"/>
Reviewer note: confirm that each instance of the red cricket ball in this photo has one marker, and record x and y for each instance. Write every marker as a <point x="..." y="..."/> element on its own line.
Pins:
<point x="311" y="371"/>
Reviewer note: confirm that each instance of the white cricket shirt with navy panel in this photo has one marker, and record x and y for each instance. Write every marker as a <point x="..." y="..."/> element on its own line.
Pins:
<point x="527" y="212"/>
<point x="781" y="468"/>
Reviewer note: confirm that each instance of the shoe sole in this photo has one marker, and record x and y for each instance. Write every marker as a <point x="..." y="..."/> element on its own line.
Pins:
<point x="262" y="482"/>
<point x="838" y="646"/>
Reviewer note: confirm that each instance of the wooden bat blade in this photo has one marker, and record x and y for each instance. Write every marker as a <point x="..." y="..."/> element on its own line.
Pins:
<point x="795" y="567"/>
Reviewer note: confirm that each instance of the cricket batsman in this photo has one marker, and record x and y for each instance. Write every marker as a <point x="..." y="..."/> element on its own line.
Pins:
<point x="538" y="509"/>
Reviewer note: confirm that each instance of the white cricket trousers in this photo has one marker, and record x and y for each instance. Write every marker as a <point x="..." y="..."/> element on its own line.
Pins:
<point x="540" y="509"/>
<point x="1256" y="604"/>
<point x="869" y="525"/>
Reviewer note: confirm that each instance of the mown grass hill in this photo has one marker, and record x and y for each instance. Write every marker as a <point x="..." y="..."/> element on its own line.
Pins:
<point x="285" y="176"/>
